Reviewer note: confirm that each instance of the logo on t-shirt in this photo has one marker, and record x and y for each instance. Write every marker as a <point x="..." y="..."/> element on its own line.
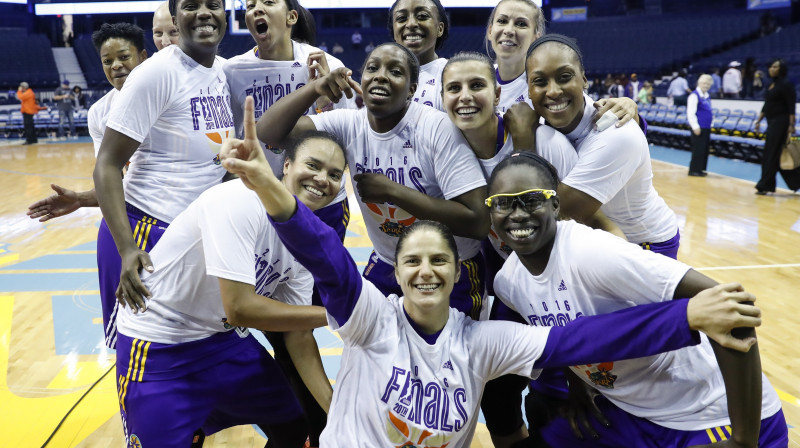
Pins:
<point x="431" y="82"/>
<point x="562" y="286"/>
<point x="391" y="220"/>
<point x="407" y="145"/>
<point x="520" y="99"/>
<point x="600" y="374"/>
<point x="404" y="435"/>
<point x="296" y="64"/>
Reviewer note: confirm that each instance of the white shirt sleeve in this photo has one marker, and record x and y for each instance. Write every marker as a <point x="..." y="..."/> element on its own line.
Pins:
<point x="457" y="168"/>
<point x="335" y="122"/>
<point x="229" y="236"/>
<point x="691" y="111"/>
<point x="142" y="100"/>
<point x="501" y="348"/>
<point x="606" y="165"/>
<point x="373" y="318"/>
<point x="95" y="125"/>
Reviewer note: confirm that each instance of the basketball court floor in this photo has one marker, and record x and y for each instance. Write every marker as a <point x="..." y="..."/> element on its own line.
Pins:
<point x="51" y="350"/>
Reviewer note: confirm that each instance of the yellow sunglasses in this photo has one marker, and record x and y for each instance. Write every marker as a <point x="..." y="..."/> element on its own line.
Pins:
<point x="529" y="200"/>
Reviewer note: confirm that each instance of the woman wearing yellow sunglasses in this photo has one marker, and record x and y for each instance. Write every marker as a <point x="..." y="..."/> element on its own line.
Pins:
<point x="563" y="270"/>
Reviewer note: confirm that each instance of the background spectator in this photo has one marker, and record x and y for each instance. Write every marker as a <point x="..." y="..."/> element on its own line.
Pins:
<point x="337" y="49"/>
<point x="617" y="90"/>
<point x="79" y="98"/>
<point x="323" y="46"/>
<point x="370" y="46"/>
<point x="778" y="108"/>
<point x="632" y="88"/>
<point x="732" y="81"/>
<point x="716" y="86"/>
<point x="356" y="39"/>
<point x="700" y="117"/>
<point x="29" y="108"/>
<point x="65" y="100"/>
<point x="748" y="75"/>
<point x="646" y="93"/>
<point x="679" y="89"/>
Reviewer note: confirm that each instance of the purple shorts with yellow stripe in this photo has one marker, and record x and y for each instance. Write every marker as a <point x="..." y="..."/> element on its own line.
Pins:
<point x="468" y="296"/>
<point x="146" y="233"/>
<point x="668" y="248"/>
<point x="167" y="391"/>
<point x="629" y="430"/>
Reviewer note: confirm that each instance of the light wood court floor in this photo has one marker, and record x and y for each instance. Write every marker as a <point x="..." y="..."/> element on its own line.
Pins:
<point x="48" y="296"/>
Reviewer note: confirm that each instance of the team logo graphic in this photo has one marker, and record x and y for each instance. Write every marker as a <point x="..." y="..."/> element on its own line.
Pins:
<point x="498" y="243"/>
<point x="278" y="151"/>
<point x="215" y="139"/>
<point x="602" y="376"/>
<point x="134" y="442"/>
<point x="391" y="220"/>
<point x="404" y="436"/>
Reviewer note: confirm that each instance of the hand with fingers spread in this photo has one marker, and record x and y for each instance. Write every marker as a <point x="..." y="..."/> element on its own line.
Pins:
<point x="624" y="108"/>
<point x="64" y="202"/>
<point x="245" y="158"/>
<point x="719" y="310"/>
<point x="579" y="404"/>
<point x="317" y="65"/>
<point x="336" y="84"/>
<point x="131" y="291"/>
<point x="375" y="188"/>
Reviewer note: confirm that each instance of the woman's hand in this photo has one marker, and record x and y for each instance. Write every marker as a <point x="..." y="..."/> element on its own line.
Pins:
<point x="245" y="158"/>
<point x="717" y="311"/>
<point x="624" y="108"/>
<point x="336" y="84"/>
<point x="64" y="202"/>
<point x="317" y="65"/>
<point x="374" y="188"/>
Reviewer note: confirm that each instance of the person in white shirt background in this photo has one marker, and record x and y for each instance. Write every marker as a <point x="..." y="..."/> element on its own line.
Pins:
<point x="732" y="81"/>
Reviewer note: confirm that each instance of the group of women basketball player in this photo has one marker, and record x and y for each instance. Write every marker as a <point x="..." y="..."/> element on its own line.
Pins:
<point x="504" y="207"/>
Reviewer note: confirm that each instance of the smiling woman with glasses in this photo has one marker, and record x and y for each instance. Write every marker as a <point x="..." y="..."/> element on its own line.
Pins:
<point x="562" y="270"/>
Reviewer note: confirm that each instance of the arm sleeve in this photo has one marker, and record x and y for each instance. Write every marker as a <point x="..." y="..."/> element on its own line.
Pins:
<point x="630" y="333"/>
<point x="608" y="162"/>
<point x="228" y="238"/>
<point x="142" y="100"/>
<point x="456" y="167"/>
<point x="317" y="247"/>
<point x="691" y="111"/>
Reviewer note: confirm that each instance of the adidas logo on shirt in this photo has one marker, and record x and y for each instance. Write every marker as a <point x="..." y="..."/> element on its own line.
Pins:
<point x="520" y="99"/>
<point x="448" y="365"/>
<point x="296" y="64"/>
<point x="562" y="286"/>
<point x="431" y="82"/>
<point x="407" y="145"/>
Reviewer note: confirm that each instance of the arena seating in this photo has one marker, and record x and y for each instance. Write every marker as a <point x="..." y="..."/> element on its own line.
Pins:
<point x="26" y="57"/>
<point x="733" y="132"/>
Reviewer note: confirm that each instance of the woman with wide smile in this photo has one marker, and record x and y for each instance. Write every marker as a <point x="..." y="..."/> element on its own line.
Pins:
<point x="408" y="162"/>
<point x="562" y="270"/>
<point x="422" y="27"/>
<point x="283" y="60"/>
<point x="413" y="368"/>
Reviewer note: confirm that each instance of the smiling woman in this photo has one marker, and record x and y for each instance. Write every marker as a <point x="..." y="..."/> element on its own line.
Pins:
<point x="167" y="121"/>
<point x="422" y="27"/>
<point x="562" y="271"/>
<point x="413" y="369"/>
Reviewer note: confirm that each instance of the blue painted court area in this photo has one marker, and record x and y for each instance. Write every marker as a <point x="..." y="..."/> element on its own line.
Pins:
<point x="718" y="165"/>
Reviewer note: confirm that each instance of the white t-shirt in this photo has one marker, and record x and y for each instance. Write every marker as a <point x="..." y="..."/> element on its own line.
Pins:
<point x="179" y="111"/>
<point x="513" y="92"/>
<point x="614" y="168"/>
<point x="550" y="144"/>
<point x="393" y="387"/>
<point x="425" y="151"/>
<point x="267" y="82"/>
<point x="218" y="236"/>
<point x="97" y="116"/>
<point x="429" y="87"/>
<point x="591" y="272"/>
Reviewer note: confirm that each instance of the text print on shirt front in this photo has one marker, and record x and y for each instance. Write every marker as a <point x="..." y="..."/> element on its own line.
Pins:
<point x="560" y="317"/>
<point x="268" y="274"/>
<point x="215" y="110"/>
<point x="267" y="94"/>
<point x="426" y="404"/>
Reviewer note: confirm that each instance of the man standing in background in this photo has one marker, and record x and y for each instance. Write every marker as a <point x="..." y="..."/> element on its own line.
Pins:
<point x="64" y="99"/>
<point x="700" y="116"/>
<point x="29" y="109"/>
<point x="732" y="81"/>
